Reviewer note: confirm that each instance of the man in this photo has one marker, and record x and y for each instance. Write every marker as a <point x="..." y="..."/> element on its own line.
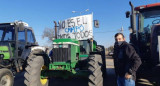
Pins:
<point x="126" y="61"/>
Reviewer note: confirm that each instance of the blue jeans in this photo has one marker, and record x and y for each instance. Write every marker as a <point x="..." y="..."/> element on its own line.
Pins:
<point x="122" y="81"/>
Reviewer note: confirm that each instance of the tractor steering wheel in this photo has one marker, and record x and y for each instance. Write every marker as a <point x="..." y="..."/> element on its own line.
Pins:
<point x="156" y="21"/>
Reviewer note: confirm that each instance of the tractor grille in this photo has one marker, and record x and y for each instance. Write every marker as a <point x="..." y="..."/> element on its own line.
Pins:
<point x="61" y="54"/>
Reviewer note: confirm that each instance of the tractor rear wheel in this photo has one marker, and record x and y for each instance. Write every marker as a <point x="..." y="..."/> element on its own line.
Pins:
<point x="6" y="77"/>
<point x="95" y="73"/>
<point x="33" y="71"/>
<point x="101" y="51"/>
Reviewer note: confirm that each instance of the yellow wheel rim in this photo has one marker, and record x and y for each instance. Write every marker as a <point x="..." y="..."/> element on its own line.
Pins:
<point x="43" y="81"/>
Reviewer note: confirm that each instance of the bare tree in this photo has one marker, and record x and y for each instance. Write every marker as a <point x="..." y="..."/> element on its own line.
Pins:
<point x="49" y="33"/>
<point x="110" y="48"/>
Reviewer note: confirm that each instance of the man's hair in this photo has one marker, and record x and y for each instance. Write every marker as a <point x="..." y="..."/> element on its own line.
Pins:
<point x="119" y="34"/>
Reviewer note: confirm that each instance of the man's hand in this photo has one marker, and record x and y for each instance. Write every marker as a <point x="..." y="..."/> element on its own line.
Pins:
<point x="127" y="76"/>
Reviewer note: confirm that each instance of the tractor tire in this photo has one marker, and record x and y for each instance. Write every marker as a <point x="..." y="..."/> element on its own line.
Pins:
<point x="101" y="50"/>
<point x="33" y="72"/>
<point x="95" y="77"/>
<point x="6" y="77"/>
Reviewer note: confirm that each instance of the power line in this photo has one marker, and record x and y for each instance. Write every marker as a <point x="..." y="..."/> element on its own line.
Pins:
<point x="109" y="31"/>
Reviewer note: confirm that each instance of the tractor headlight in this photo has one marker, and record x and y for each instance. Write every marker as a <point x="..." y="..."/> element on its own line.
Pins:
<point x="56" y="46"/>
<point x="65" y="46"/>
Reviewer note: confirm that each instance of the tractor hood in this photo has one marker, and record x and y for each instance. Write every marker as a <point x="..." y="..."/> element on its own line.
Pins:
<point x="66" y="41"/>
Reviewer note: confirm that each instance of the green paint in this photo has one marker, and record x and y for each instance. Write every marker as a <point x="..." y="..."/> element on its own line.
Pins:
<point x="66" y="40"/>
<point x="59" y="66"/>
<point x="94" y="45"/>
<point x="5" y="51"/>
<point x="83" y="56"/>
<point x="74" y="51"/>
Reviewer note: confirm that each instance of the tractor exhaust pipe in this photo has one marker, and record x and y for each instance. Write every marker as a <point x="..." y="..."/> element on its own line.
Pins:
<point x="55" y="29"/>
<point x="133" y="18"/>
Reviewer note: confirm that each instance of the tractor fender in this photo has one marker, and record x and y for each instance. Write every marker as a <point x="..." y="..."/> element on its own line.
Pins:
<point x="39" y="50"/>
<point x="33" y="50"/>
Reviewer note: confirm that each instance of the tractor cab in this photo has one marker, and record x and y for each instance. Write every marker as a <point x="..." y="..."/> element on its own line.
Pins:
<point x="147" y="18"/>
<point x="14" y="38"/>
<point x="145" y="28"/>
<point x="87" y="46"/>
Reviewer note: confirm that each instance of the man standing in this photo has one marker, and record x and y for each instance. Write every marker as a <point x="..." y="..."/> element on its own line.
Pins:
<point x="126" y="61"/>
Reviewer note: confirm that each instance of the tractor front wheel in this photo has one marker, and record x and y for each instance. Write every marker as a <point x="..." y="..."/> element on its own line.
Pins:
<point x="33" y="71"/>
<point x="6" y="77"/>
<point x="101" y="50"/>
<point x="95" y="73"/>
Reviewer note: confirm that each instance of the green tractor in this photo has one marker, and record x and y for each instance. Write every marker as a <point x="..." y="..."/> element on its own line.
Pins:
<point x="68" y="58"/>
<point x="16" y="38"/>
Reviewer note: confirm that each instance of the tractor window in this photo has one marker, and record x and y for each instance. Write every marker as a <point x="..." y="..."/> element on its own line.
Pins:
<point x="21" y="36"/>
<point x="8" y="34"/>
<point x="137" y="22"/>
<point x="1" y="33"/>
<point x="30" y="36"/>
<point x="84" y="47"/>
<point x="148" y="19"/>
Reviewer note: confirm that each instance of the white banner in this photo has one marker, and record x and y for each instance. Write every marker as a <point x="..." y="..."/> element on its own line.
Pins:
<point x="80" y="27"/>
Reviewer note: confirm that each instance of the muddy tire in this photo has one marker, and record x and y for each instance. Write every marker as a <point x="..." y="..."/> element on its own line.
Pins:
<point x="6" y="77"/>
<point x="95" y="77"/>
<point x="33" y="72"/>
<point x="101" y="50"/>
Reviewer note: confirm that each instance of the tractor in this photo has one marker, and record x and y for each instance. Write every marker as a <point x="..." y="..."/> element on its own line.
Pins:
<point x="145" y="34"/>
<point x="69" y="57"/>
<point x="16" y="38"/>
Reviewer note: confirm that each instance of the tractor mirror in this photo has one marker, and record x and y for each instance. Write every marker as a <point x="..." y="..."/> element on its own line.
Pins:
<point x="127" y="14"/>
<point x="96" y="23"/>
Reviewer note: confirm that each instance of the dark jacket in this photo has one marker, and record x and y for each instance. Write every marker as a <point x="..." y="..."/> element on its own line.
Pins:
<point x="126" y="60"/>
